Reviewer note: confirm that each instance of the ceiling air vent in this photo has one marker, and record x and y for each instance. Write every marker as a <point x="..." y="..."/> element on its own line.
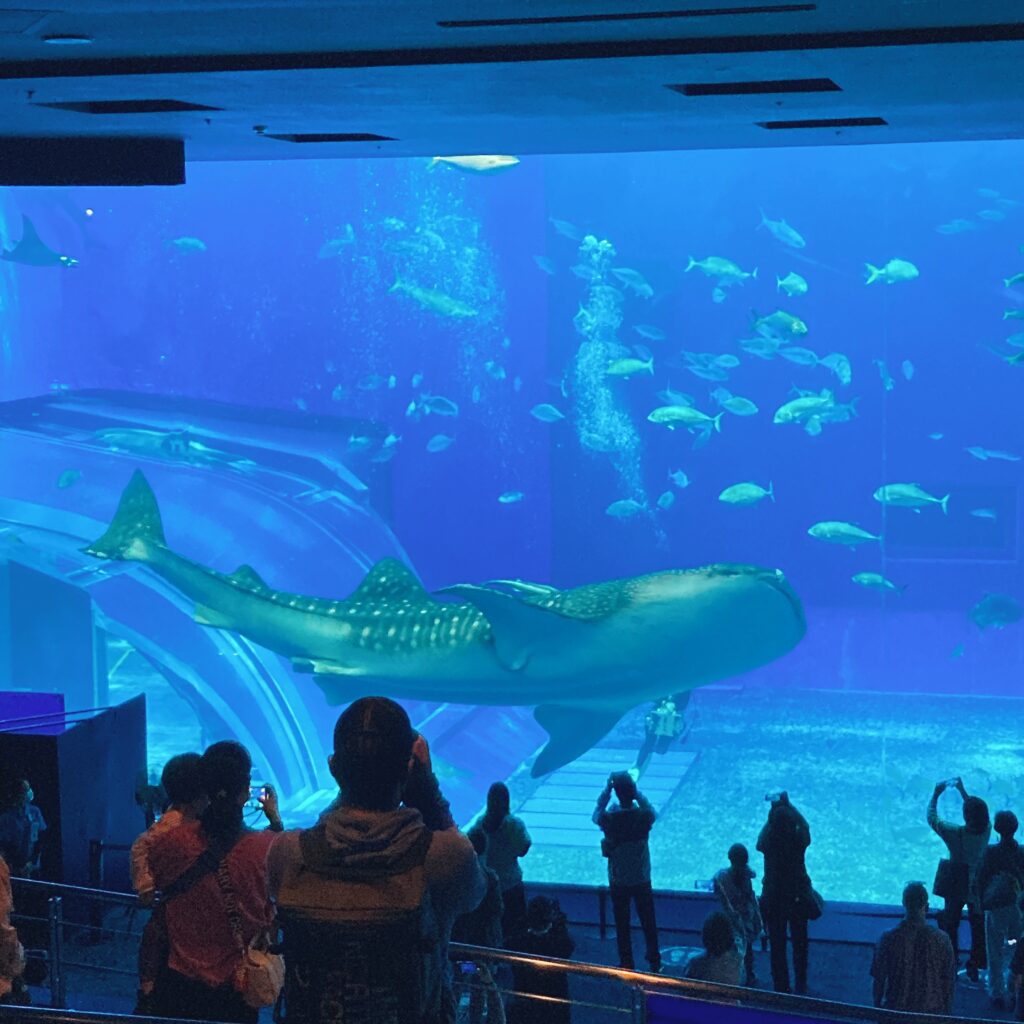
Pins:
<point x="332" y="137"/>
<point x="756" y="88"/>
<point x="582" y="19"/>
<point x="827" y="122"/>
<point x="127" y="106"/>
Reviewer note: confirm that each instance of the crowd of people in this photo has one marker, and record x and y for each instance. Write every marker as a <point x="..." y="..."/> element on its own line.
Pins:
<point x="352" y="918"/>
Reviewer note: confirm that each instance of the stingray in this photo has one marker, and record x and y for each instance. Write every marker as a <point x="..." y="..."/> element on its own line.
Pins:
<point x="33" y="252"/>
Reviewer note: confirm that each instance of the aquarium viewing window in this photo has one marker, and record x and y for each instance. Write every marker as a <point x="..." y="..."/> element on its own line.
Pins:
<point x="537" y="444"/>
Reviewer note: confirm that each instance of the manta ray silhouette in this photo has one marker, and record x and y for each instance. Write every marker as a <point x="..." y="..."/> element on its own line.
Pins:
<point x="33" y="252"/>
<point x="583" y="657"/>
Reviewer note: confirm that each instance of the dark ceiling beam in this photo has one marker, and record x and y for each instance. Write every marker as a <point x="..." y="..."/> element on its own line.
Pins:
<point x="494" y="53"/>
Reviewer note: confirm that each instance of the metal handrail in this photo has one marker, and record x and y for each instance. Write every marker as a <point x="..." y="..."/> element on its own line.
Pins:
<point x="637" y="981"/>
<point x="46" y="1015"/>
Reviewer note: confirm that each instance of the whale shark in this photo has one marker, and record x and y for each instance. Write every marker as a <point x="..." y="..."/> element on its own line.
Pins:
<point x="582" y="657"/>
<point x="33" y="252"/>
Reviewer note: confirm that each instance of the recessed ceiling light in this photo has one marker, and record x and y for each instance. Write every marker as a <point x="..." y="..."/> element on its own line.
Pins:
<point x="68" y="40"/>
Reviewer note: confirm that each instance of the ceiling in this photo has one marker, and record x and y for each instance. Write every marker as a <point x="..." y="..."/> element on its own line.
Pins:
<point x="507" y="76"/>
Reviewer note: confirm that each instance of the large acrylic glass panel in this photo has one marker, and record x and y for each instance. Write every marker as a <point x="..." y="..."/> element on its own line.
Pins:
<point x="572" y="371"/>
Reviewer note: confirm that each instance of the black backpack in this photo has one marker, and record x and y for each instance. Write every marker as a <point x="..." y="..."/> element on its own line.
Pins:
<point x="358" y="948"/>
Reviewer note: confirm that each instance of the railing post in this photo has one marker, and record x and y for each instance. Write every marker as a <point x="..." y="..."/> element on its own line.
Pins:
<point x="55" y="917"/>
<point x="96" y="916"/>
<point x="638" y="1013"/>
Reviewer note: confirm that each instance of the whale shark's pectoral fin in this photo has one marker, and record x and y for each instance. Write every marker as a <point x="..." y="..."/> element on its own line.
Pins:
<point x="519" y="629"/>
<point x="573" y="731"/>
<point x="525" y="588"/>
<point x="327" y="675"/>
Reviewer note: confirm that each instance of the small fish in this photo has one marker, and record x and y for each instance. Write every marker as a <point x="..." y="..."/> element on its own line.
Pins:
<point x="839" y="365"/>
<point x="629" y="366"/>
<point x="708" y="372"/>
<point x="800" y="356"/>
<point x="339" y="393"/>
<point x="495" y="370"/>
<point x="565" y="229"/>
<point x="544" y="264"/>
<point x="650" y="332"/>
<point x="841" y="533"/>
<point x="434" y="301"/>
<point x="992" y="215"/>
<point x="984" y="513"/>
<point x="724" y="271"/>
<point x="68" y="477"/>
<point x="634" y="281"/>
<point x="1010" y="282"/>
<point x="439" y="442"/>
<point x="987" y="193"/>
<point x="626" y="508"/>
<point x="908" y="369"/>
<point x="186" y="243"/>
<point x="517" y="384"/>
<point x="987" y="453"/>
<point x="792" y="284"/>
<point x="476" y="395"/>
<point x="726" y="361"/>
<point x="679" y="479"/>
<point x="666" y="501"/>
<point x="779" y="325"/>
<point x="359" y="443"/>
<point x="783" y="232"/>
<point x="477" y="164"/>
<point x="546" y="413"/>
<point x="670" y="397"/>
<point x="875" y="581"/>
<point x="909" y="496"/>
<point x="511" y="497"/>
<point x="301" y="404"/>
<point x="672" y="416"/>
<point x="416" y="380"/>
<point x="746" y="494"/>
<point x="883" y="371"/>
<point x="371" y="382"/>
<point x="1013" y="314"/>
<point x="893" y="272"/>
<point x="956" y="227"/>
<point x="763" y="348"/>
<point x="439" y="405"/>
<point x="957" y="652"/>
<point x="718" y="294"/>
<point x="336" y="246"/>
<point x="995" y="611"/>
<point x="937" y="436"/>
<point x="585" y="272"/>
<point x="740" y="406"/>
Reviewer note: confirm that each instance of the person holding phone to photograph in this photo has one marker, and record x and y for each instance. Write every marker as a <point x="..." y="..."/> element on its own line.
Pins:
<point x="966" y="844"/>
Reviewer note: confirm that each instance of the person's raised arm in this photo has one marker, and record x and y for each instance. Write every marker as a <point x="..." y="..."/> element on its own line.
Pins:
<point x="423" y="792"/>
<point x="602" y="801"/>
<point x="940" y="827"/>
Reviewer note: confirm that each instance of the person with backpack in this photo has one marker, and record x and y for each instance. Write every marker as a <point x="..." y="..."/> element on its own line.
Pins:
<point x="541" y="994"/>
<point x="626" y="827"/>
<point x="366" y="898"/>
<point x="212" y="874"/>
<point x="735" y="891"/>
<point x="1000" y="883"/>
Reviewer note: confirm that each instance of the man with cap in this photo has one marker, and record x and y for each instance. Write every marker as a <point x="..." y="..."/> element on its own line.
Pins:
<point x="368" y="896"/>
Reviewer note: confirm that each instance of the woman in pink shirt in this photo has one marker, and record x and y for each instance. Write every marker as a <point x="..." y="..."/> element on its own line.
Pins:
<point x="200" y="978"/>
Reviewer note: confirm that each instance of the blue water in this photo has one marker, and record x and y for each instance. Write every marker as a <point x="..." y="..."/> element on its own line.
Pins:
<point x="261" y="316"/>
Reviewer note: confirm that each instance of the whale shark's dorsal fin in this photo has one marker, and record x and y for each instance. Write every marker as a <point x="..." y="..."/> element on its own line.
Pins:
<point x="389" y="580"/>
<point x="246" y="576"/>
<point x="572" y="731"/>
<point x="518" y="627"/>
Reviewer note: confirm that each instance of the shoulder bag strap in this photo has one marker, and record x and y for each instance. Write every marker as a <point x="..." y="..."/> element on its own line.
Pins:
<point x="204" y="864"/>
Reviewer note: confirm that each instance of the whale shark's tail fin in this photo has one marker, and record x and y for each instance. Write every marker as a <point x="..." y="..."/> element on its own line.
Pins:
<point x="136" y="523"/>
